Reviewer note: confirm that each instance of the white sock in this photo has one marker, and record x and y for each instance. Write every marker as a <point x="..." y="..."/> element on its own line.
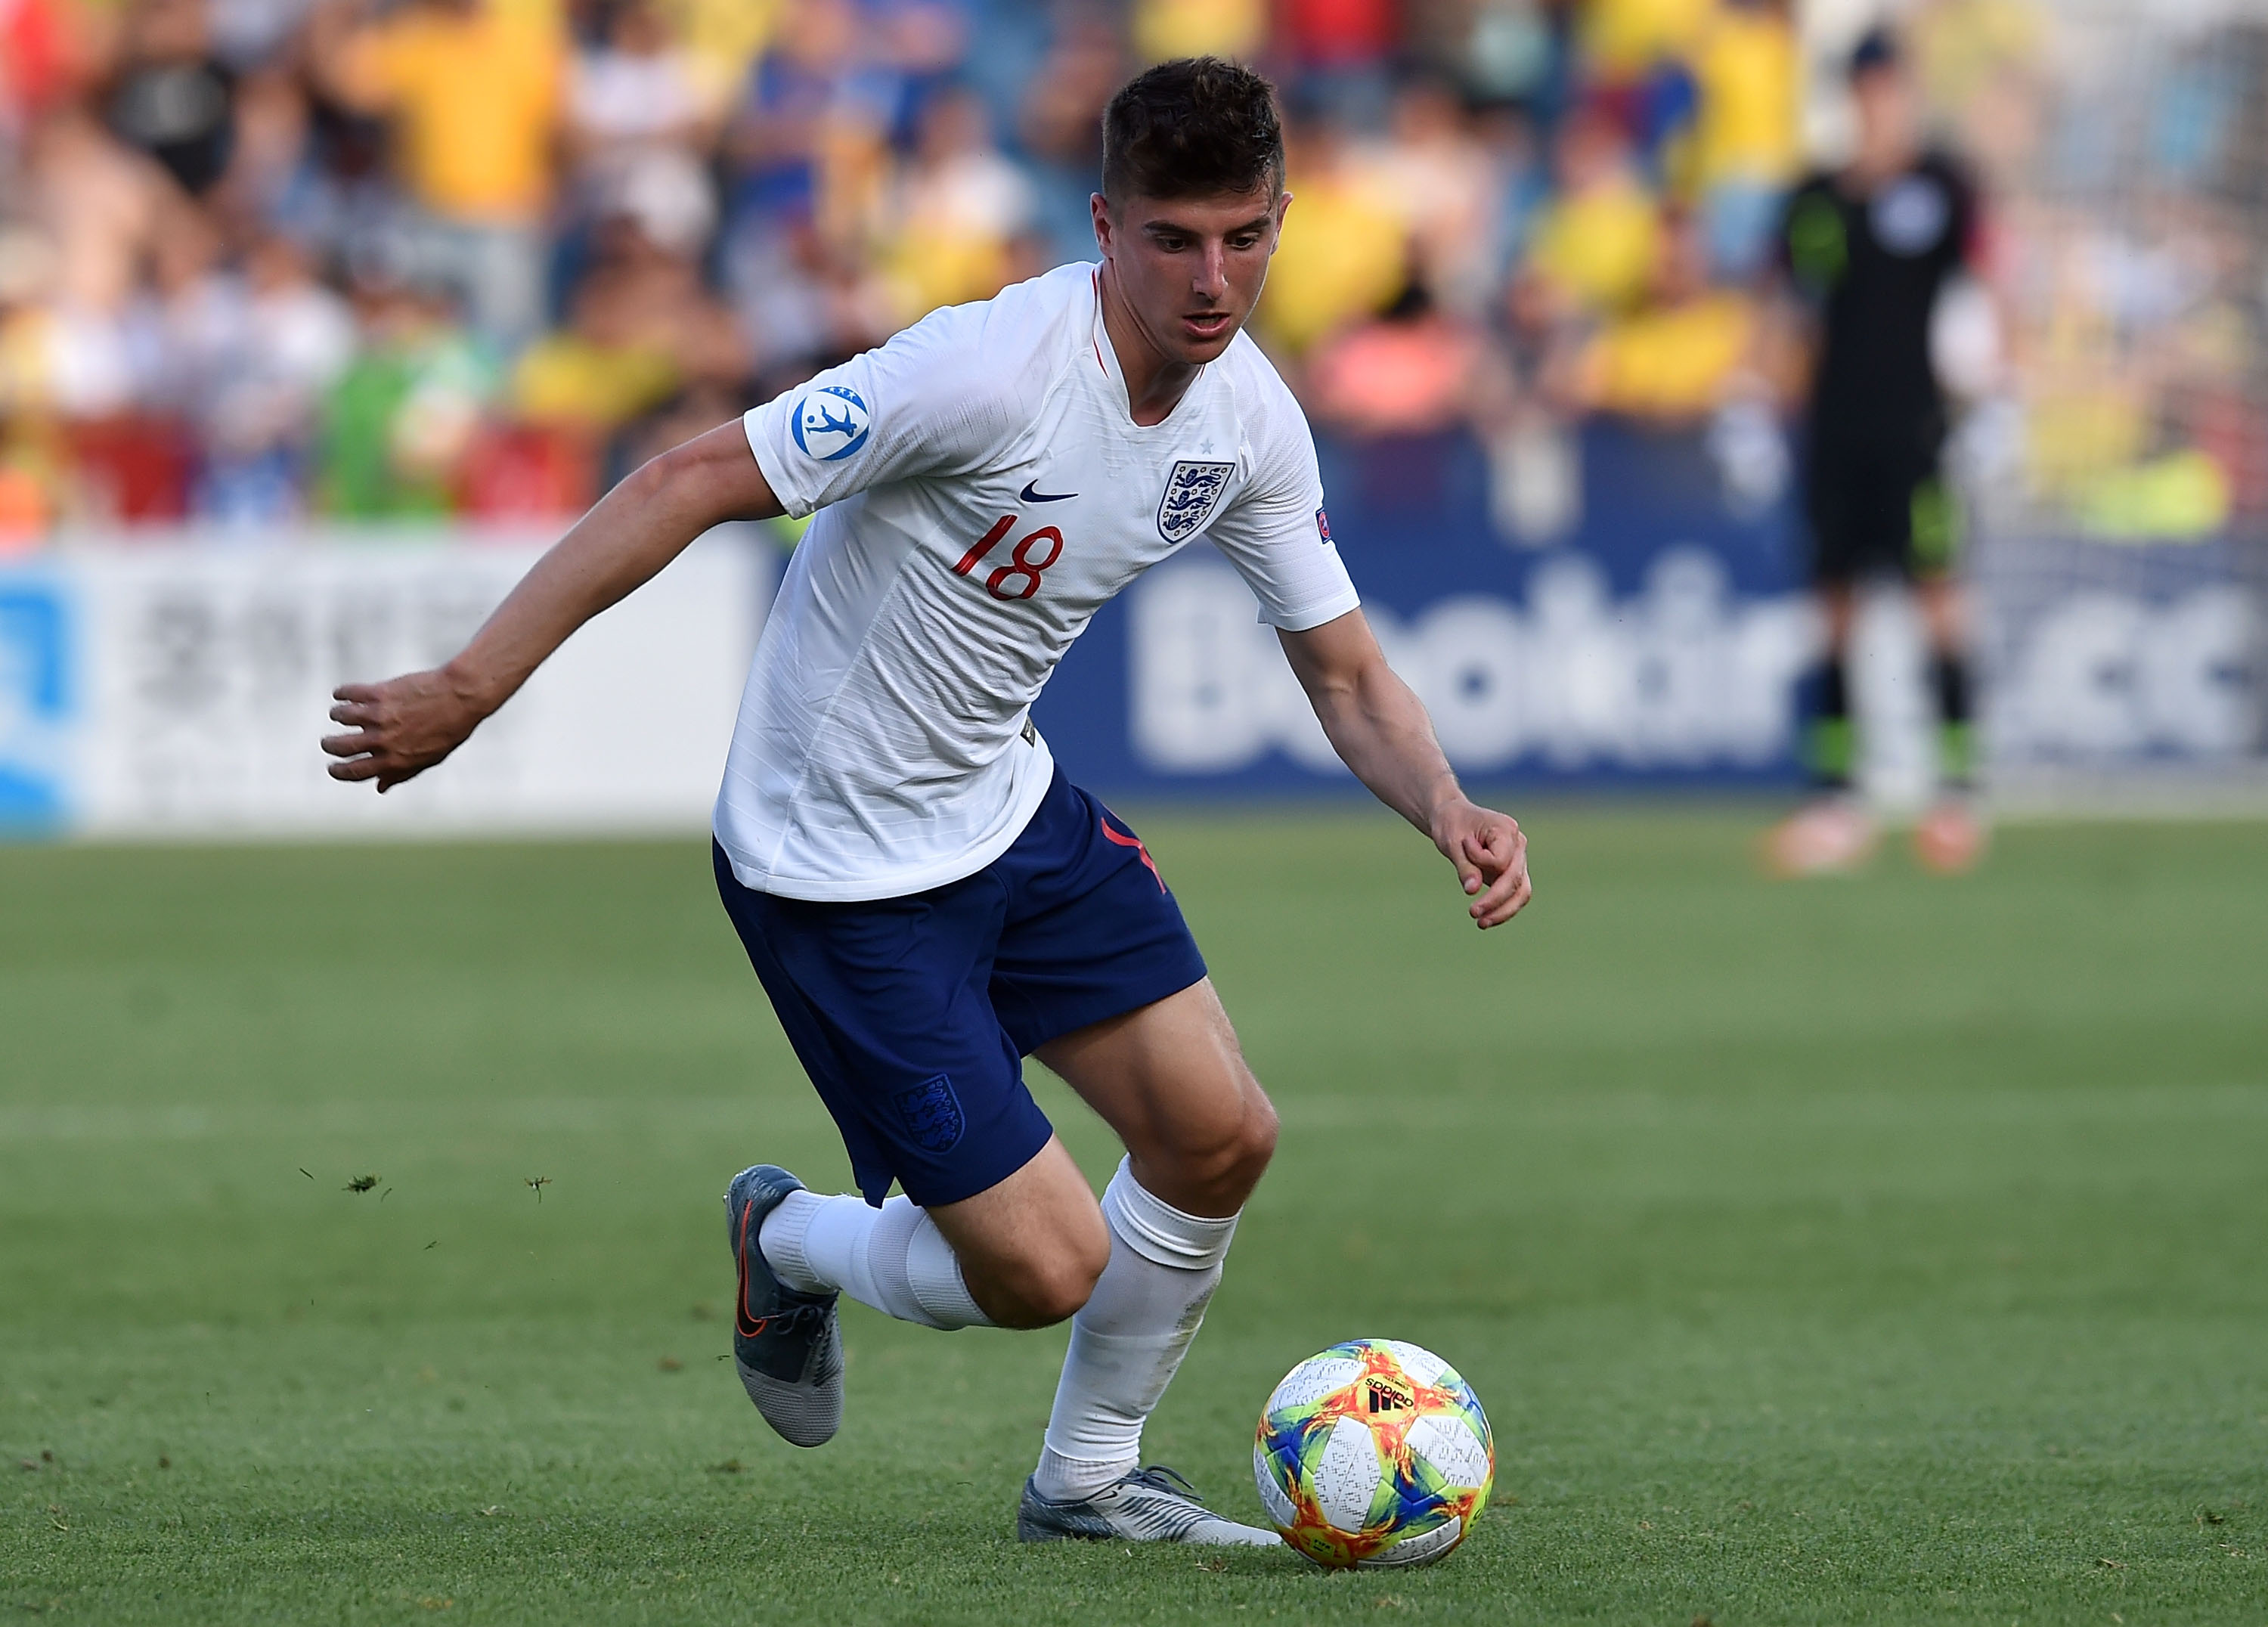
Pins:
<point x="1127" y="1342"/>
<point x="893" y="1258"/>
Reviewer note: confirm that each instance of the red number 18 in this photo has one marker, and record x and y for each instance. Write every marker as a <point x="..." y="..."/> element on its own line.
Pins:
<point x="1023" y="566"/>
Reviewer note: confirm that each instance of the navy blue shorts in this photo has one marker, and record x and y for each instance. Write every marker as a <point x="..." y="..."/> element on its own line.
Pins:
<point x="912" y="1015"/>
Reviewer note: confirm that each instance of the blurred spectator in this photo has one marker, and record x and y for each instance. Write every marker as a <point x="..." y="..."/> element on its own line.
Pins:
<point x="634" y="93"/>
<point x="1522" y="180"/>
<point x="1980" y="62"/>
<point x="559" y="251"/>
<point x="29" y="478"/>
<point x="802" y="305"/>
<point x="808" y="137"/>
<point x="721" y="38"/>
<point x="1744" y="140"/>
<point x="1595" y="244"/>
<point x="1343" y="254"/>
<point x="1165" y="29"/>
<point x="106" y="235"/>
<point x="1509" y="51"/>
<point x="253" y="355"/>
<point x="38" y="55"/>
<point x="958" y="211"/>
<point x="107" y="209"/>
<point x="641" y="327"/>
<point x="253" y="34"/>
<point x="698" y="411"/>
<point x="1338" y="50"/>
<point x="1624" y="41"/>
<point x="1677" y="358"/>
<point x="1447" y="189"/>
<point x="473" y="89"/>
<point x="399" y="422"/>
<point x="269" y="154"/>
<point x="171" y="97"/>
<point x="1349" y="37"/>
<point x="1413" y="369"/>
<point x="1060" y="125"/>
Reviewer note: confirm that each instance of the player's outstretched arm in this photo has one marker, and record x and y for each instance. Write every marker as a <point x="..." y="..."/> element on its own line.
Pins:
<point x="405" y="725"/>
<point x="1380" y="730"/>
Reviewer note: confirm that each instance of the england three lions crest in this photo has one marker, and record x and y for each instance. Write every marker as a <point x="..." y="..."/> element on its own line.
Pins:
<point x="1192" y="492"/>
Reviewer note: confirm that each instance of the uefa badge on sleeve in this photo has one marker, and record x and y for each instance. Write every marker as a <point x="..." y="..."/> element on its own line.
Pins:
<point x="830" y="423"/>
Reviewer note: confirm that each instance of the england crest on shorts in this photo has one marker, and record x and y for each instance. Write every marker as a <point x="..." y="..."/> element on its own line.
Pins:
<point x="1192" y="492"/>
<point x="931" y="1113"/>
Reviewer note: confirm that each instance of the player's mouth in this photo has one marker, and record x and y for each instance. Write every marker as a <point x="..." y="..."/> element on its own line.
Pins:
<point x="1206" y="325"/>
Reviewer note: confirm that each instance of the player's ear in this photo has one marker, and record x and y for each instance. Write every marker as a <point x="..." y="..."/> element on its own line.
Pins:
<point x="1099" y="207"/>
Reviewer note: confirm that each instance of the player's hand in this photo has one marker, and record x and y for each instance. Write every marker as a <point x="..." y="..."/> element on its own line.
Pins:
<point x="1489" y="851"/>
<point x="402" y="727"/>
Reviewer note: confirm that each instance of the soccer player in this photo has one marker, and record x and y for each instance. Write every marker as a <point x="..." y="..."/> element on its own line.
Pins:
<point x="1868" y="250"/>
<point x="925" y="896"/>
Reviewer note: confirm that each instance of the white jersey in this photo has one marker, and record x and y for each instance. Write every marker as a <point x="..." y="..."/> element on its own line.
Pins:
<point x="981" y="488"/>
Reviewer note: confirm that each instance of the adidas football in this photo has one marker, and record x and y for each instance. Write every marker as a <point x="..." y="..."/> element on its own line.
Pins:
<point x="1374" y="1453"/>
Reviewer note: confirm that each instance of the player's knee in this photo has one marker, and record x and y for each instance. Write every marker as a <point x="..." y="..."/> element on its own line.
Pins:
<point x="1254" y="1145"/>
<point x="1261" y="1126"/>
<point x="1052" y="1287"/>
<point x="1225" y="1160"/>
<point x="1068" y="1289"/>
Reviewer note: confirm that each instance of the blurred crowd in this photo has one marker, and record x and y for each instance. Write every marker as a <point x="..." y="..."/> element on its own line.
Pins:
<point x="389" y="258"/>
<point x="261" y="259"/>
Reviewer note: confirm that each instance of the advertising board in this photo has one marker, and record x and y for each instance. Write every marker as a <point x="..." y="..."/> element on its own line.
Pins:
<point x="179" y="690"/>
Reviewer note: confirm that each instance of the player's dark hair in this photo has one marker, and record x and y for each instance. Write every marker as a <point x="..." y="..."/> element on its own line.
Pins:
<point x="1192" y="127"/>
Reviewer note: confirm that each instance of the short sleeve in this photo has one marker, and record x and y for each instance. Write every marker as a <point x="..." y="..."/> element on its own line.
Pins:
<point x="1276" y="533"/>
<point x="923" y="404"/>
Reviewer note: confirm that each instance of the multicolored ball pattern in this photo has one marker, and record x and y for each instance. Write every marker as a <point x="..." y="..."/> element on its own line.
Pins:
<point x="1374" y="1453"/>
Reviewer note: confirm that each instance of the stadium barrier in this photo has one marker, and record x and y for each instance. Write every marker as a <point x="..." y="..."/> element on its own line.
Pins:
<point x="2122" y="674"/>
<point x="1655" y="637"/>
<point x="175" y="689"/>
<point x="178" y="689"/>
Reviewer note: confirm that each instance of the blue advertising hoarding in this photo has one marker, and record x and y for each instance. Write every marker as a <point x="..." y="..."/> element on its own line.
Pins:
<point x="1657" y="638"/>
<point x="37" y="699"/>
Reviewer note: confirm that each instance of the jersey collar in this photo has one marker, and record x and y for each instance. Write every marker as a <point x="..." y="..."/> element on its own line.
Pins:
<point x="1106" y="357"/>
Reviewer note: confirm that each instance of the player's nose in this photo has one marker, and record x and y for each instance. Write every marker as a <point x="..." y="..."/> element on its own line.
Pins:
<point x="1211" y="280"/>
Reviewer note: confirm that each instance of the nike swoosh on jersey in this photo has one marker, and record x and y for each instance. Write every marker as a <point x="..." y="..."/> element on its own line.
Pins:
<point x="1032" y="494"/>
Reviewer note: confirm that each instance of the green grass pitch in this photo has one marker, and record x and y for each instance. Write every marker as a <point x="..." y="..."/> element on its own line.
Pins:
<point x="1894" y="1250"/>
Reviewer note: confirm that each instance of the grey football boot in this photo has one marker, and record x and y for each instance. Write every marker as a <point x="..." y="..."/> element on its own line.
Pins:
<point x="787" y="1345"/>
<point x="1152" y="1503"/>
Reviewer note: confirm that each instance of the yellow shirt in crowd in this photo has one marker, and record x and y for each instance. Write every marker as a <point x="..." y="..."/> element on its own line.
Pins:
<point x="1165" y="29"/>
<point x="1746" y="68"/>
<point x="722" y="37"/>
<point x="1672" y="362"/>
<point x="1622" y="39"/>
<point x="564" y="379"/>
<point x="1341" y="258"/>
<point x="477" y="97"/>
<point x="1598" y="248"/>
